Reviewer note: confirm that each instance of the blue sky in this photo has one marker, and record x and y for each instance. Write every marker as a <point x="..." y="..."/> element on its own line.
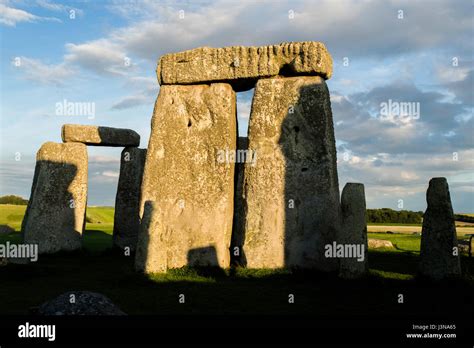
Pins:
<point x="403" y="51"/>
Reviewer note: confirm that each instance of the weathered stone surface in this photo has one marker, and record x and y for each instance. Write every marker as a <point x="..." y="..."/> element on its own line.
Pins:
<point x="99" y="136"/>
<point x="354" y="229"/>
<point x="242" y="66"/>
<point x="190" y="219"/>
<point x="86" y="303"/>
<point x="127" y="201"/>
<point x="438" y="234"/>
<point x="55" y="214"/>
<point x="379" y="243"/>
<point x="292" y="197"/>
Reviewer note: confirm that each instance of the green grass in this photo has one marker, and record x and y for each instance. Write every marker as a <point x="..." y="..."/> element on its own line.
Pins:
<point x="98" y="234"/>
<point x="234" y="291"/>
<point x="403" y="242"/>
<point x="12" y="215"/>
<point x="102" y="218"/>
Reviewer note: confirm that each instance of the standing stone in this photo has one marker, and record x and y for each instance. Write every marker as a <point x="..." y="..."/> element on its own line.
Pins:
<point x="292" y="195"/>
<point x="99" y="136"/>
<point x="354" y="230"/>
<point x="438" y="252"/>
<point x="127" y="201"/>
<point x="186" y="178"/>
<point x="55" y="215"/>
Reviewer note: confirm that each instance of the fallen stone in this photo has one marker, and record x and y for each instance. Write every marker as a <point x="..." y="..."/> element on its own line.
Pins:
<point x="83" y="303"/>
<point x="354" y="229"/>
<point x="55" y="214"/>
<point x="439" y="255"/>
<point x="241" y="66"/>
<point x="190" y="219"/>
<point x="291" y="193"/>
<point x="127" y="201"/>
<point x="99" y="136"/>
<point x="379" y="243"/>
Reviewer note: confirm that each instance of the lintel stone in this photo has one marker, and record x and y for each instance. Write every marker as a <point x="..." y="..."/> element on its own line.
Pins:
<point x="99" y="136"/>
<point x="241" y="66"/>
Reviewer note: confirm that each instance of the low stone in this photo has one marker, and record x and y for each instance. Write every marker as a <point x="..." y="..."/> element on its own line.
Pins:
<point x="379" y="243"/>
<point x="241" y="66"/>
<point x="99" y="136"/>
<point x="354" y="229"/>
<point x="55" y="214"/>
<point x="83" y="303"/>
<point x="439" y="253"/>
<point x="127" y="201"/>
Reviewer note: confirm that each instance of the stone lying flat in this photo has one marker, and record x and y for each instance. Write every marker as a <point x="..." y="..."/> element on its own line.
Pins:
<point x="99" y="136"/>
<point x="127" y="201"/>
<point x="438" y="257"/>
<point x="187" y="193"/>
<point x="291" y="192"/>
<point x="54" y="217"/>
<point x="237" y="63"/>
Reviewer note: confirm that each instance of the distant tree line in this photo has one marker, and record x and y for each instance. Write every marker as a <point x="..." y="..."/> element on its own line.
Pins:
<point x="463" y="218"/>
<point x="12" y="199"/>
<point x="387" y="215"/>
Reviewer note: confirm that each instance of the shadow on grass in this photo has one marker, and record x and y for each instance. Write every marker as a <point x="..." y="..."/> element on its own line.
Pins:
<point x="235" y="291"/>
<point x="397" y="262"/>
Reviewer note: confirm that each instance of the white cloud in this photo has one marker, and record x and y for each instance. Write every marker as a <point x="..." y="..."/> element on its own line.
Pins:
<point x="110" y="174"/>
<point x="103" y="159"/>
<point x="100" y="56"/>
<point x="130" y="102"/>
<point x="10" y="16"/>
<point x="243" y="109"/>
<point x="52" y="6"/>
<point x="447" y="74"/>
<point x="35" y="70"/>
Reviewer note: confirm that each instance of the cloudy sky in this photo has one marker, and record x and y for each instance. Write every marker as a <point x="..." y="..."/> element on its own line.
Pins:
<point x="105" y="53"/>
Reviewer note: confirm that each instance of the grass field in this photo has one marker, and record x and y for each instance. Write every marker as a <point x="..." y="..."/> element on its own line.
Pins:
<point x="234" y="291"/>
<point x="409" y="229"/>
<point x="101" y="218"/>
